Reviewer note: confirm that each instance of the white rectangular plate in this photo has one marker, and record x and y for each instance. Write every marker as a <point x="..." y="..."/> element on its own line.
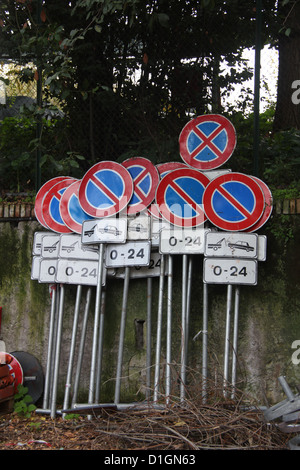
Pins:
<point x="229" y="271"/>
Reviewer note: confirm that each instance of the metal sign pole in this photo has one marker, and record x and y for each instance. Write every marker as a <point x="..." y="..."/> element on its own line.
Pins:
<point x="100" y="352"/>
<point x="122" y="333"/>
<point x="47" y="384"/>
<point x="235" y="338"/>
<point x="148" y="341"/>
<point x="183" y="327"/>
<point x="159" y="327"/>
<point x="72" y="348"/>
<point x="204" y="341"/>
<point x="96" y="324"/>
<point x="227" y="334"/>
<point x="169" y="329"/>
<point x="58" y="293"/>
<point x="81" y="346"/>
<point x="188" y="302"/>
<point x="57" y="353"/>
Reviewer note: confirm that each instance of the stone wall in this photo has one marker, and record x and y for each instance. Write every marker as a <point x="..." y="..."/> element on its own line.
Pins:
<point x="269" y="316"/>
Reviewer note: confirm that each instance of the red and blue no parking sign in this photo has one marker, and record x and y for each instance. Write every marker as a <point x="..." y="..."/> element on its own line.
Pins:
<point x="233" y="202"/>
<point x="268" y="205"/>
<point x="163" y="169"/>
<point x="105" y="189"/>
<point x="179" y="197"/>
<point x="207" y="141"/>
<point x="50" y="207"/>
<point x="145" y="179"/>
<point x="70" y="210"/>
<point x="40" y="198"/>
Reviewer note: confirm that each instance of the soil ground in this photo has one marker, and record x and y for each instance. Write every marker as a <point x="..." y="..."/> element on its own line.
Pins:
<point x="220" y="426"/>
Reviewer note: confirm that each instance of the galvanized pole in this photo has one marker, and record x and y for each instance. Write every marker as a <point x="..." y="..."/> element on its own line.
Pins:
<point x="47" y="383"/>
<point x="72" y="347"/>
<point x="81" y="346"/>
<point x="96" y="324"/>
<point x="204" y="341"/>
<point x="188" y="303"/>
<point x="57" y="353"/>
<point x="159" y="327"/>
<point x="122" y="335"/>
<point x="235" y="338"/>
<point x="148" y="341"/>
<point x="183" y="327"/>
<point x="227" y="336"/>
<point x="169" y="330"/>
<point x="100" y="352"/>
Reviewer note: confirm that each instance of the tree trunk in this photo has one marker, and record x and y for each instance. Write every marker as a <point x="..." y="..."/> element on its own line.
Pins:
<point x="287" y="114"/>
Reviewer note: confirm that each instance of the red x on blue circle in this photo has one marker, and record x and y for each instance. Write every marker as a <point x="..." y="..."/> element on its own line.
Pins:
<point x="207" y="141"/>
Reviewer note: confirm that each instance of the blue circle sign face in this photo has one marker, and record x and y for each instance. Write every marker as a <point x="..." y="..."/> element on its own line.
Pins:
<point x="145" y="179"/>
<point x="179" y="197"/>
<point x="38" y="205"/>
<point x="207" y="141"/>
<point x="50" y="208"/>
<point x="163" y="169"/>
<point x="70" y="210"/>
<point x="105" y="189"/>
<point x="233" y="202"/>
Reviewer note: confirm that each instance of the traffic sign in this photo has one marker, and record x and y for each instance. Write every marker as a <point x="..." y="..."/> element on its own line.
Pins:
<point x="233" y="202"/>
<point x="40" y="197"/>
<point x="182" y="241"/>
<point x="268" y="205"/>
<point x="163" y="169"/>
<point x="35" y="267"/>
<point x="48" y="268"/>
<point x="262" y="248"/>
<point x="145" y="179"/>
<point x="70" y="210"/>
<point x="137" y="272"/>
<point x="105" y="189"/>
<point x="207" y="141"/>
<point x="157" y="225"/>
<point x="128" y="254"/>
<point x="179" y="197"/>
<point x="37" y="242"/>
<point x="70" y="247"/>
<point x="50" y="206"/>
<point x="107" y="230"/>
<point x="231" y="244"/>
<point x="138" y="227"/>
<point x="79" y="272"/>
<point x="50" y="246"/>
<point x="230" y="271"/>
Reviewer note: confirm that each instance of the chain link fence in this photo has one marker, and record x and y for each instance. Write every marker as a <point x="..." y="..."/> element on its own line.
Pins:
<point x="138" y="109"/>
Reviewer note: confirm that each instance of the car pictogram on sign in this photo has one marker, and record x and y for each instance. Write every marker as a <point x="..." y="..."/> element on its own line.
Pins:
<point x="241" y="245"/>
<point x="110" y="229"/>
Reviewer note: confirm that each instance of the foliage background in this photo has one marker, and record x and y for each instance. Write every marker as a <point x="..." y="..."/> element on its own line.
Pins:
<point x="116" y="79"/>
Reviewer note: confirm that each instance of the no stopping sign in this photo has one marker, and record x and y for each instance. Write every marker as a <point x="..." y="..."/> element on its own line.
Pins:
<point x="233" y="201"/>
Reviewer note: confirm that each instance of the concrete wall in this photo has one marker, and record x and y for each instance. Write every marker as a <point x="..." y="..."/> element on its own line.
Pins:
<point x="269" y="318"/>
